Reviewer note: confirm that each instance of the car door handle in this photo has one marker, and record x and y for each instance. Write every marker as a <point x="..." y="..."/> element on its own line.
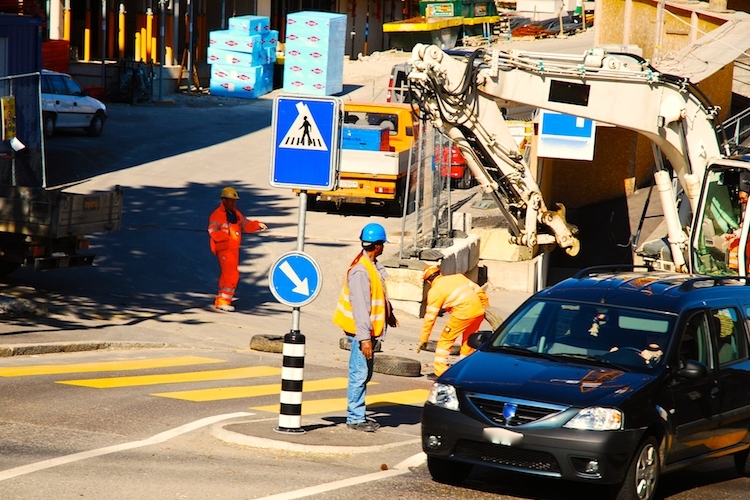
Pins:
<point x="715" y="392"/>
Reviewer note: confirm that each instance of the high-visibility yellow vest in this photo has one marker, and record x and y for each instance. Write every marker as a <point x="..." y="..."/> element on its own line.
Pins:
<point x="343" y="316"/>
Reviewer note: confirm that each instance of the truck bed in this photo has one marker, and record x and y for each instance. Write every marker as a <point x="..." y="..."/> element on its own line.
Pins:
<point x="374" y="162"/>
<point x="52" y="213"/>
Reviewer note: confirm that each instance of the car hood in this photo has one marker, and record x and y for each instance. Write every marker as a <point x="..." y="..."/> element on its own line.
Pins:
<point x="542" y="380"/>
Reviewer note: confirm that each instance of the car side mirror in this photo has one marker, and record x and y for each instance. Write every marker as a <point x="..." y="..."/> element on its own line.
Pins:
<point x="693" y="370"/>
<point x="476" y="339"/>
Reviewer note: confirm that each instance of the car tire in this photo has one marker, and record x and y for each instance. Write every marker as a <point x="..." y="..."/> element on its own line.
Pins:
<point x="432" y="345"/>
<point x="396" y="365"/>
<point x="7" y="268"/>
<point x="96" y="126"/>
<point x="312" y="201"/>
<point x="346" y="345"/>
<point x="742" y="463"/>
<point x="447" y="471"/>
<point x="267" y="343"/>
<point x="493" y="317"/>
<point x="643" y="475"/>
<point x="49" y="124"/>
<point x="466" y="181"/>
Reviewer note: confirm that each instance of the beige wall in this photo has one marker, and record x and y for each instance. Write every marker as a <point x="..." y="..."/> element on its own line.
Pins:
<point x="623" y="160"/>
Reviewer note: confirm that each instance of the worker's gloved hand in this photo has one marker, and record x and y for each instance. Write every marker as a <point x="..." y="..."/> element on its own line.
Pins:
<point x="421" y="346"/>
<point x="392" y="321"/>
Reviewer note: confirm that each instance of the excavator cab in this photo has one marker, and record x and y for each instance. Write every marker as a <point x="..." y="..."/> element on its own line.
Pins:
<point x="719" y="240"/>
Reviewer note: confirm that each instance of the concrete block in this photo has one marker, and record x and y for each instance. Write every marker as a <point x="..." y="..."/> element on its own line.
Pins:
<point x="462" y="256"/>
<point x="404" y="284"/>
<point x="494" y="244"/>
<point x="525" y="276"/>
<point x="409" y="307"/>
<point x="462" y="221"/>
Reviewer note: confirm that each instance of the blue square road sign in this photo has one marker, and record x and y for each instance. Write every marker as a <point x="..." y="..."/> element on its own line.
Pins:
<point x="306" y="142"/>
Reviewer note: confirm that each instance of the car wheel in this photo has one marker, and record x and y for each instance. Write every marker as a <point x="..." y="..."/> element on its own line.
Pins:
<point x="96" y="126"/>
<point x="742" y="463"/>
<point x="447" y="471"/>
<point x="643" y="475"/>
<point x="347" y="346"/>
<point x="312" y="201"/>
<point x="466" y="180"/>
<point x="7" y="268"/>
<point x="267" y="343"/>
<point x="397" y="365"/>
<point x="49" y="125"/>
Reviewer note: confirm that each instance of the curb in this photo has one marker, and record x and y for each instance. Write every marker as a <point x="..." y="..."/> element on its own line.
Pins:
<point x="219" y="432"/>
<point x="53" y="348"/>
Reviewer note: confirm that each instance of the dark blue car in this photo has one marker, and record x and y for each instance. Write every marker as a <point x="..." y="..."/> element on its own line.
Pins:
<point x="608" y="377"/>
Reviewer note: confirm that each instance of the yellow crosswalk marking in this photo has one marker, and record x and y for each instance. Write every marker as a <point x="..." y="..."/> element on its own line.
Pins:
<point x="315" y="407"/>
<point x="106" y="366"/>
<point x="221" y="393"/>
<point x="175" y="378"/>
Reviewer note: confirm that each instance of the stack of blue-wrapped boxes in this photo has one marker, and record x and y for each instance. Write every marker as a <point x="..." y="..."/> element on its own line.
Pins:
<point x="314" y="53"/>
<point x="242" y="57"/>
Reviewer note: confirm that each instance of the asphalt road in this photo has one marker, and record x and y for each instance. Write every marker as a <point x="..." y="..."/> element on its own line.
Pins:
<point x="153" y="283"/>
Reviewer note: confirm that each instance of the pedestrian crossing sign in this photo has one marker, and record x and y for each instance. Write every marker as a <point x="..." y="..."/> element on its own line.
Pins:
<point x="306" y="142"/>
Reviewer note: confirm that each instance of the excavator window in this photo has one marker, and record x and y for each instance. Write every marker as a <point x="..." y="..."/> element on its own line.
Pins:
<point x="721" y="223"/>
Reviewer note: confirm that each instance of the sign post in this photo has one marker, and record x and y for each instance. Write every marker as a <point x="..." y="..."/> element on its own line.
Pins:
<point x="304" y="155"/>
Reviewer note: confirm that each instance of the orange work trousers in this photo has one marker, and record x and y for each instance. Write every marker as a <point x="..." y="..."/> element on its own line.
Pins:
<point x="229" y="261"/>
<point x="453" y="329"/>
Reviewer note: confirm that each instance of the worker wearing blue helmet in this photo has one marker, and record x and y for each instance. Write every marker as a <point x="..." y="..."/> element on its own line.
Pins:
<point x="364" y="313"/>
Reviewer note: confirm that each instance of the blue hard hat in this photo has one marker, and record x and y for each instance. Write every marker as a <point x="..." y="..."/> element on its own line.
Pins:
<point x="373" y="233"/>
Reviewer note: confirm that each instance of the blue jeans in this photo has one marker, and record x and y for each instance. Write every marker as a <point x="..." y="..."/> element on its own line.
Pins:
<point x="360" y="372"/>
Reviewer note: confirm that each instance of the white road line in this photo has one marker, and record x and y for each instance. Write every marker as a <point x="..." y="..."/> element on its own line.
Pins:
<point x="158" y="438"/>
<point x="401" y="468"/>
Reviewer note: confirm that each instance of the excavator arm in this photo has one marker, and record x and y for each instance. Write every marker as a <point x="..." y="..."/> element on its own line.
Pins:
<point x="460" y="98"/>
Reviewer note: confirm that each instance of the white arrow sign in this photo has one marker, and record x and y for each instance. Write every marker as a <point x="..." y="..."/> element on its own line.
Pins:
<point x="300" y="286"/>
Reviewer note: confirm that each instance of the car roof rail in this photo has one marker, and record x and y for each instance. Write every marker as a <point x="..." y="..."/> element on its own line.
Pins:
<point x="588" y="271"/>
<point x="698" y="282"/>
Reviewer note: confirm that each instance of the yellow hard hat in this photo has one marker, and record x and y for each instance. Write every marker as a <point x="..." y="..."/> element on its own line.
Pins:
<point x="430" y="272"/>
<point x="230" y="192"/>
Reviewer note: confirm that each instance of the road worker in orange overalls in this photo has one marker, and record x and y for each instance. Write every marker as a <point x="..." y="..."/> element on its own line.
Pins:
<point x="225" y="227"/>
<point x="464" y="300"/>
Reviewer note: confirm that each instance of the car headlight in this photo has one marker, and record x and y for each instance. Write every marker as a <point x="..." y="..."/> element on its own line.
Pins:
<point x="596" y="419"/>
<point x="443" y="395"/>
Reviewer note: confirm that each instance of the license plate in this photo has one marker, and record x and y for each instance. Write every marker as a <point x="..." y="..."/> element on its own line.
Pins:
<point x="497" y="435"/>
<point x="349" y="184"/>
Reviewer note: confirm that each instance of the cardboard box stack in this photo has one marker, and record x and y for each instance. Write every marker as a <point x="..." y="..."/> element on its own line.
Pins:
<point x="314" y="53"/>
<point x="242" y="58"/>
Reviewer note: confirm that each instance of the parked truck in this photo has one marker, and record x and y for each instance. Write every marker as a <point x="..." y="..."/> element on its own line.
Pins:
<point x="40" y="227"/>
<point x="376" y="157"/>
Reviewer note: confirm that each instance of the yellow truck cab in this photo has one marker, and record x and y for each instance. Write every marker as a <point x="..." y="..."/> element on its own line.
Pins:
<point x="376" y="156"/>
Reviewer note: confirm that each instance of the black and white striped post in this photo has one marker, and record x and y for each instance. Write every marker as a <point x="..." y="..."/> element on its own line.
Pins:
<point x="290" y="412"/>
<point x="295" y="278"/>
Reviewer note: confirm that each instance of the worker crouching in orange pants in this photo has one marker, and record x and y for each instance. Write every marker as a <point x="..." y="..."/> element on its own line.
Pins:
<point x="464" y="300"/>
<point x="225" y="227"/>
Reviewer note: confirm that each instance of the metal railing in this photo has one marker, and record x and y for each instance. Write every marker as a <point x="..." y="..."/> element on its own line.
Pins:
<point x="427" y="223"/>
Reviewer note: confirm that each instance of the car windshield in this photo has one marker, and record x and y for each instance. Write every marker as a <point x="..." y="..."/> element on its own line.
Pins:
<point x="592" y="332"/>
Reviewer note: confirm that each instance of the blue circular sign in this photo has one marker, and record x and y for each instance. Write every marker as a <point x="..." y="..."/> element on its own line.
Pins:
<point x="295" y="279"/>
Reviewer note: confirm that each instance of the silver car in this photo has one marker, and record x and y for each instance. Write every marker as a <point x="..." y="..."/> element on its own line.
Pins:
<point x="65" y="105"/>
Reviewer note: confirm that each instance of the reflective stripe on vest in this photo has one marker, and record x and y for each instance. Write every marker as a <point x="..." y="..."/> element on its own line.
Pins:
<point x="344" y="317"/>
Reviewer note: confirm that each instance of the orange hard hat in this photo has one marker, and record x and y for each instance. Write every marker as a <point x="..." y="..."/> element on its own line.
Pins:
<point x="430" y="272"/>
<point x="230" y="192"/>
